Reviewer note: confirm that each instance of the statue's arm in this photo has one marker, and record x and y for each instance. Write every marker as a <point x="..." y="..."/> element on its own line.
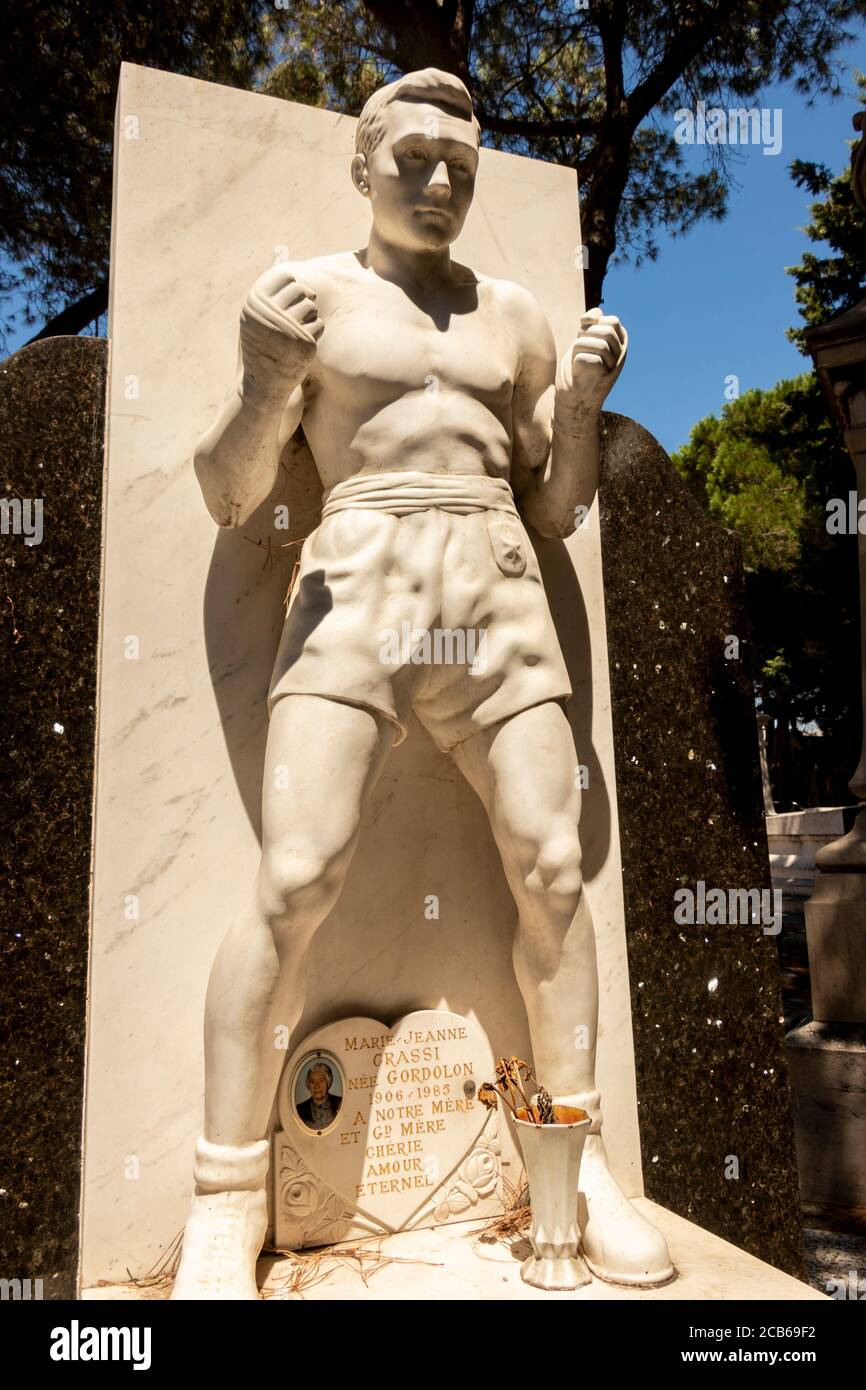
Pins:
<point x="557" y="415"/>
<point x="236" y="461"/>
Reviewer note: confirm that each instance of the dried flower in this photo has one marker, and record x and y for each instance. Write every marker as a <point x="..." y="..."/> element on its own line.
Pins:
<point x="509" y="1074"/>
<point x="543" y="1103"/>
<point x="488" y="1096"/>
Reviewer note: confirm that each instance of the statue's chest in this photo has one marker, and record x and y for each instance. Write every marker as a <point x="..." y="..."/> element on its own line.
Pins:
<point x="391" y="346"/>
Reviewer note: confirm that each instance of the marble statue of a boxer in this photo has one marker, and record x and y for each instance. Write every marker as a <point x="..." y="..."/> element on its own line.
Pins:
<point x="431" y="400"/>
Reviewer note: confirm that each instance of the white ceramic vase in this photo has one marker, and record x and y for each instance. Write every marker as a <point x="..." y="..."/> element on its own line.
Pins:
<point x="551" y="1155"/>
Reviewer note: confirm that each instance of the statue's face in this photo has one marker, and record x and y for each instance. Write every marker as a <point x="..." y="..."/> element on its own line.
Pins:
<point x="421" y="176"/>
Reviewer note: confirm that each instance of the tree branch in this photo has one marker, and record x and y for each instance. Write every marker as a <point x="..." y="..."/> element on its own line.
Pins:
<point x="687" y="44"/>
<point x="75" y="316"/>
<point x="611" y="30"/>
<point x="428" y="33"/>
<point x="516" y="125"/>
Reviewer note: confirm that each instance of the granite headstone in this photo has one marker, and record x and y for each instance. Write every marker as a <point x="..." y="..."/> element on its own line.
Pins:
<point x="52" y="406"/>
<point x="713" y="1095"/>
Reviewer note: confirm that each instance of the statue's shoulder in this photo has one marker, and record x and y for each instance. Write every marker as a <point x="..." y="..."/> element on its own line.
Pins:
<point x="516" y="304"/>
<point x="325" y="272"/>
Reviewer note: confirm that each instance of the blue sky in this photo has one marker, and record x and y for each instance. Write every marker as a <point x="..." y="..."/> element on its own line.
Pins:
<point x="717" y="301"/>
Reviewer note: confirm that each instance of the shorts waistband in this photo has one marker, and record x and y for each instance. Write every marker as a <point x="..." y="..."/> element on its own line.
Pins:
<point x="401" y="494"/>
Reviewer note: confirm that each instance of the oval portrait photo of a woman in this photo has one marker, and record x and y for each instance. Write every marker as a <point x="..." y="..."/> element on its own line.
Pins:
<point x="317" y="1091"/>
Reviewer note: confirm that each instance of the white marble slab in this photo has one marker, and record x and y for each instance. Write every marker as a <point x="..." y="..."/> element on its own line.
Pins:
<point x="211" y="185"/>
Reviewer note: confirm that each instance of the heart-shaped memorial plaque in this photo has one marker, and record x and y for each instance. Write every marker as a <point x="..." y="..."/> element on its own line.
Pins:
<point x="384" y="1115"/>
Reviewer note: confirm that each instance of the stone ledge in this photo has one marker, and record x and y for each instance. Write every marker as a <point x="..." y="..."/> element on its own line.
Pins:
<point x="452" y="1263"/>
<point x="821" y="821"/>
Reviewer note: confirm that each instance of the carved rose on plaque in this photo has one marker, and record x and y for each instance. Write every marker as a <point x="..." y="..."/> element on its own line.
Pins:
<point x="476" y="1177"/>
<point x="481" y="1170"/>
<point x="314" y="1212"/>
<point x="301" y="1196"/>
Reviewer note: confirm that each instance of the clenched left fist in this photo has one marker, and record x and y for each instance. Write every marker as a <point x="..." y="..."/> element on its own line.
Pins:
<point x="594" y="361"/>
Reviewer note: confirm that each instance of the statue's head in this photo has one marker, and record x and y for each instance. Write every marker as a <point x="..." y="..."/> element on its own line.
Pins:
<point x="416" y="157"/>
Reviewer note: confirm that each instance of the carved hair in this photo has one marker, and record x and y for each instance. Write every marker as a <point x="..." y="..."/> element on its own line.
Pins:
<point x="432" y="85"/>
<point x="319" y="1066"/>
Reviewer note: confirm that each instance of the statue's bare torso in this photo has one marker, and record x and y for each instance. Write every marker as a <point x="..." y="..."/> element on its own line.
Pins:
<point x="409" y="382"/>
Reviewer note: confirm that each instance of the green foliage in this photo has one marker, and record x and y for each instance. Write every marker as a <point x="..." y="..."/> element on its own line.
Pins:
<point x="752" y="495"/>
<point x="827" y="284"/>
<point x="766" y="469"/>
<point x="594" y="87"/>
<point x="755" y="469"/>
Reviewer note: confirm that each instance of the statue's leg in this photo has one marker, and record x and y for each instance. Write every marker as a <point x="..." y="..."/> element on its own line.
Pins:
<point x="525" y="772"/>
<point x="323" y="758"/>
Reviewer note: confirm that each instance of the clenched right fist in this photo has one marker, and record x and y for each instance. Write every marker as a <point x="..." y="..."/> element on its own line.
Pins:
<point x="280" y="326"/>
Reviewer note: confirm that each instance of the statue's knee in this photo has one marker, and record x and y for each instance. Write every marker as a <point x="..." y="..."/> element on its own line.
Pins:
<point x="298" y="883"/>
<point x="555" y="868"/>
